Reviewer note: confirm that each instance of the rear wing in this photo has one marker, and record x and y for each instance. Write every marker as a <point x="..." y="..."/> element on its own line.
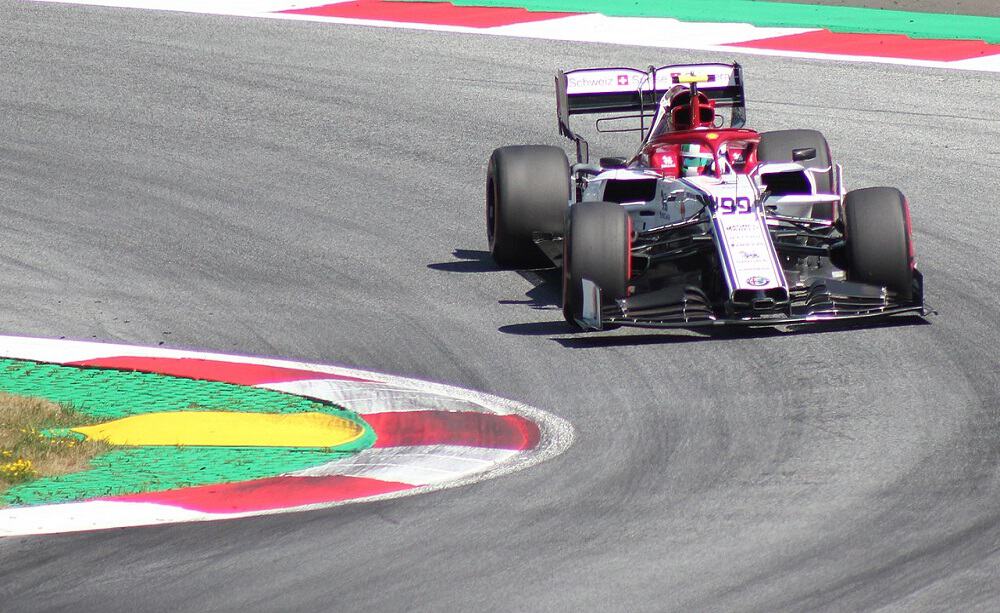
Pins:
<point x="630" y="90"/>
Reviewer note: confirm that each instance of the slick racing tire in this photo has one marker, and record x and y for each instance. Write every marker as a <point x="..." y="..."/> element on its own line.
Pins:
<point x="879" y="243"/>
<point x="597" y="247"/>
<point x="527" y="191"/>
<point x="777" y="146"/>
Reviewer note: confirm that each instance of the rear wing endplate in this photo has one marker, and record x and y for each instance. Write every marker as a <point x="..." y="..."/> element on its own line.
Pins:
<point x="630" y="90"/>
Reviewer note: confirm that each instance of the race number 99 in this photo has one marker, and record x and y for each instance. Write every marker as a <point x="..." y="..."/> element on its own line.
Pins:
<point x="730" y="206"/>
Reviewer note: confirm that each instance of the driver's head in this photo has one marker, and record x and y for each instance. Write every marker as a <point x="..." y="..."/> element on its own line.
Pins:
<point x="695" y="160"/>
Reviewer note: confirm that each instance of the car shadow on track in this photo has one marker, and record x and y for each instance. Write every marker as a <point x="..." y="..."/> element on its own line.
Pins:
<point x="546" y="291"/>
<point x="468" y="260"/>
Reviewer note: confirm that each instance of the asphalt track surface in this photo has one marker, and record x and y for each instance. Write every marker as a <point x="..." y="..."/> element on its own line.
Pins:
<point x="315" y="192"/>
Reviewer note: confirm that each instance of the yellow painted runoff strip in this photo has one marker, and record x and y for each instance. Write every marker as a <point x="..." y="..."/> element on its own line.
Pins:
<point x="227" y="429"/>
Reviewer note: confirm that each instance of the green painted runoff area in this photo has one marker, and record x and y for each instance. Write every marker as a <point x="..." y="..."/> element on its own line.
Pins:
<point x="108" y="394"/>
<point x="113" y="394"/>
<point x="759" y="13"/>
<point x="155" y="469"/>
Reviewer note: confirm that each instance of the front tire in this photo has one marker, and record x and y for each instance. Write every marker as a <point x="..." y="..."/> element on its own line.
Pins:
<point x="527" y="190"/>
<point x="597" y="247"/>
<point x="879" y="241"/>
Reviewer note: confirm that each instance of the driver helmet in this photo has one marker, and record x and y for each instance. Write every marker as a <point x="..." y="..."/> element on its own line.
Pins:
<point x="695" y="160"/>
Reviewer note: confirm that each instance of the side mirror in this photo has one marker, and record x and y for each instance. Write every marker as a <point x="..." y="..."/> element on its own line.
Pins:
<point x="613" y="162"/>
<point x="801" y="155"/>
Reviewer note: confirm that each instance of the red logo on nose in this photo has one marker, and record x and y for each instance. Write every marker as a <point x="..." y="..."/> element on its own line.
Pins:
<point x="623" y="79"/>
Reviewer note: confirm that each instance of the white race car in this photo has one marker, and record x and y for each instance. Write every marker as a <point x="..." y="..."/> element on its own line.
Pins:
<point x="709" y="223"/>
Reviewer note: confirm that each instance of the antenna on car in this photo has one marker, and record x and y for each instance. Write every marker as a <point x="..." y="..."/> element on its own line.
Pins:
<point x="648" y="79"/>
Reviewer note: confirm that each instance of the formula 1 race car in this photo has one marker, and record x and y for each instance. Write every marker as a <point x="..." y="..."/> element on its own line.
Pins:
<point x="709" y="223"/>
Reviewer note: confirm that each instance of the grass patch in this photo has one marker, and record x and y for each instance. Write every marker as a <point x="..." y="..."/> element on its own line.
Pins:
<point x="26" y="453"/>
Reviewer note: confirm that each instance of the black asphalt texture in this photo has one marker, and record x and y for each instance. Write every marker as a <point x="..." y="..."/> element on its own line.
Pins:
<point x="316" y="192"/>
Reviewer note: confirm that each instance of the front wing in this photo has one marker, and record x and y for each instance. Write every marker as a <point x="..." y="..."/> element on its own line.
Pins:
<point x="822" y="301"/>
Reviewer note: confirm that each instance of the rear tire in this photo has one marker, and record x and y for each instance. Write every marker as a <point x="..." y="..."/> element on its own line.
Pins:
<point x="777" y="146"/>
<point x="597" y="247"/>
<point x="879" y="244"/>
<point x="527" y="190"/>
